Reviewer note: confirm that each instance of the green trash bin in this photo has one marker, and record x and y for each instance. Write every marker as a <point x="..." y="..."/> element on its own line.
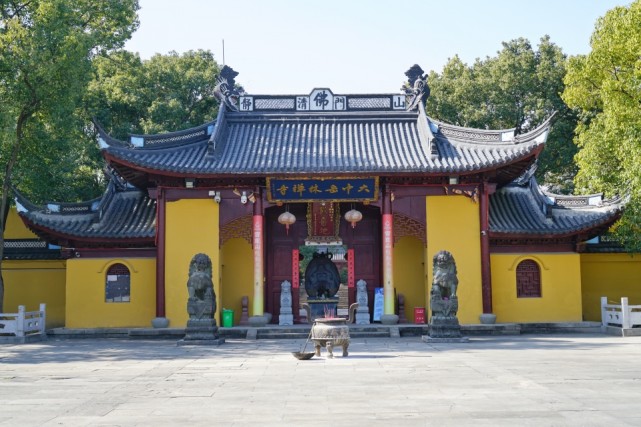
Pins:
<point x="228" y="318"/>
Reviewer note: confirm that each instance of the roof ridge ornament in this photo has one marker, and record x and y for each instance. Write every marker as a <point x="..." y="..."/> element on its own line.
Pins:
<point x="225" y="90"/>
<point x="416" y="87"/>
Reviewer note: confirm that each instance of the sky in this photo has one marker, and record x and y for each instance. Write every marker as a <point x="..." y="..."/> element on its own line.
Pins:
<point x="355" y="46"/>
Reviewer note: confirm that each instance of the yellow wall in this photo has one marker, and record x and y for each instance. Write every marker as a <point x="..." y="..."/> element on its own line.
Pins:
<point x="560" y="288"/>
<point x="192" y="228"/>
<point x="31" y="283"/>
<point x="237" y="275"/>
<point x="86" y="306"/>
<point x="609" y="275"/>
<point x="453" y="225"/>
<point x="15" y="228"/>
<point x="409" y="273"/>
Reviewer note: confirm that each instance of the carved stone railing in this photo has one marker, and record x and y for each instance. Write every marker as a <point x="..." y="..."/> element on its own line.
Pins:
<point x="23" y="323"/>
<point x="622" y="315"/>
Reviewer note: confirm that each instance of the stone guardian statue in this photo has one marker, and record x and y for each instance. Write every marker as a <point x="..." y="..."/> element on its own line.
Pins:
<point x="286" y="318"/>
<point x="362" y="314"/>
<point x="201" y="303"/>
<point x="444" y="324"/>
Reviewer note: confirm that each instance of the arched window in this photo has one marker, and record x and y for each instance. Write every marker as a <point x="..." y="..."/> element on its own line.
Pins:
<point x="117" y="285"/>
<point x="528" y="279"/>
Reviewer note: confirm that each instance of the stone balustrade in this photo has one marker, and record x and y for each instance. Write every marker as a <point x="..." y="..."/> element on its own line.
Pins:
<point x="23" y="323"/>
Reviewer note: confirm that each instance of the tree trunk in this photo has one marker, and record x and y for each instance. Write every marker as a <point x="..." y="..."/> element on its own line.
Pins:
<point x="6" y="188"/>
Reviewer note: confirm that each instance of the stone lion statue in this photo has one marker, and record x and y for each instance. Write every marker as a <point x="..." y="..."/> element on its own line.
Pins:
<point x="444" y="281"/>
<point x="202" y="299"/>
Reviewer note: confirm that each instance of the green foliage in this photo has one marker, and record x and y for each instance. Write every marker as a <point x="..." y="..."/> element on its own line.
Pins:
<point x="520" y="87"/>
<point x="165" y="93"/>
<point x="605" y="87"/>
<point x="46" y="50"/>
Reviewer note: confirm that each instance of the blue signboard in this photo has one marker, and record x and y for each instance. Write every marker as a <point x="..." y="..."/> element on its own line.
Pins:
<point x="322" y="189"/>
<point x="379" y="301"/>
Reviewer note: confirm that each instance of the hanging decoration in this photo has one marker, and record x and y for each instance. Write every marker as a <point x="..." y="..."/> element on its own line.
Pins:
<point x="323" y="223"/>
<point x="353" y="216"/>
<point x="287" y="219"/>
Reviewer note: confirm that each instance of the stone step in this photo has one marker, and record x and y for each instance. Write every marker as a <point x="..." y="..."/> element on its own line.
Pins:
<point x="564" y="327"/>
<point x="369" y="334"/>
<point x="282" y="335"/>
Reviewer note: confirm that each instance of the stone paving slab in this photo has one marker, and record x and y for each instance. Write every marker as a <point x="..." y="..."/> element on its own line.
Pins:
<point x="534" y="380"/>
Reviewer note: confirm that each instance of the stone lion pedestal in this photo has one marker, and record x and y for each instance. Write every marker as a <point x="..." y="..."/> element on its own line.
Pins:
<point x="444" y="325"/>
<point x="201" y="305"/>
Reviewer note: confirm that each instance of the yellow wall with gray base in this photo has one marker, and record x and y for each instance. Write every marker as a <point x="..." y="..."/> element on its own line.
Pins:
<point x="560" y="299"/>
<point x="609" y="275"/>
<point x="237" y="276"/>
<point x="191" y="228"/>
<point x="409" y="273"/>
<point x="86" y="298"/>
<point x="453" y="225"/>
<point x="33" y="282"/>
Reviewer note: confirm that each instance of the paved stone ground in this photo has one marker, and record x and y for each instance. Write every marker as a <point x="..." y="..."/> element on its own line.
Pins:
<point x="539" y="380"/>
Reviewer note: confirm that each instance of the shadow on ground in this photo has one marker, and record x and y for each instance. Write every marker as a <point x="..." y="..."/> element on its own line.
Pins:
<point x="69" y="350"/>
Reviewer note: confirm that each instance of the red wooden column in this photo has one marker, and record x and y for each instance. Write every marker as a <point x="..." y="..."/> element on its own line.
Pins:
<point x="388" y="248"/>
<point x="486" y="273"/>
<point x="258" y="237"/>
<point x="296" y="284"/>
<point x="160" y="251"/>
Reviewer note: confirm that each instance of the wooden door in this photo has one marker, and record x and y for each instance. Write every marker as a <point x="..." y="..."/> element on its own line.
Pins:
<point x="364" y="239"/>
<point x="278" y="250"/>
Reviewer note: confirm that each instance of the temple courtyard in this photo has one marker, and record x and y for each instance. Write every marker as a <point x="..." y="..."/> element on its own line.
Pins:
<point x="549" y="380"/>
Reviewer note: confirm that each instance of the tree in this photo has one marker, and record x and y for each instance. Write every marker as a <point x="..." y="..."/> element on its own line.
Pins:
<point x="521" y="88"/>
<point x="165" y="93"/>
<point x="605" y="87"/>
<point x="46" y="48"/>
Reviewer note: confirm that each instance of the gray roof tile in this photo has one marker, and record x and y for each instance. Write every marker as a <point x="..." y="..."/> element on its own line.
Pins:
<point x="123" y="213"/>
<point x="385" y="142"/>
<point x="525" y="210"/>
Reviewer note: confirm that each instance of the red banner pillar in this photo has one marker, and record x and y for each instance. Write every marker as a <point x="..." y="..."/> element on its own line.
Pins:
<point x="258" y="239"/>
<point x="388" y="248"/>
<point x="296" y="284"/>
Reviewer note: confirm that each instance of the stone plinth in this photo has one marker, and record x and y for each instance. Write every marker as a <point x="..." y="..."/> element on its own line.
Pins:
<point x="286" y="319"/>
<point x="160" y="322"/>
<point x="444" y="327"/>
<point x="389" y="319"/>
<point x="201" y="332"/>
<point x="362" y="317"/>
<point x="257" y="321"/>
<point x="487" y="318"/>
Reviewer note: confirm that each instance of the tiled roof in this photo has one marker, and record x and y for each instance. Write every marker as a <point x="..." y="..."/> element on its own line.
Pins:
<point x="525" y="210"/>
<point x="128" y="214"/>
<point x="123" y="213"/>
<point x="382" y="142"/>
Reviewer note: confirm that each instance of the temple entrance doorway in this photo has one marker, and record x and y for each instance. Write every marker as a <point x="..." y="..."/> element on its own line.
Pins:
<point x="286" y="249"/>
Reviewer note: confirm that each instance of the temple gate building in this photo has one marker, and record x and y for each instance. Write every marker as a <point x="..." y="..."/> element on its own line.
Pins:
<point x="368" y="177"/>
